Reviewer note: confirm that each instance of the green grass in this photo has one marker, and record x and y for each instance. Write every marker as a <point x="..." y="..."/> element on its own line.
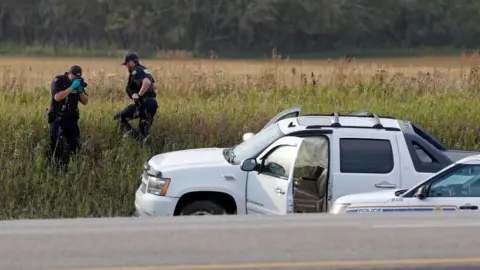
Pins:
<point x="103" y="178"/>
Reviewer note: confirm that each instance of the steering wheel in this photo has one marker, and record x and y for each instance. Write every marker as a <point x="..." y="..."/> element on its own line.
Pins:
<point x="440" y="191"/>
<point x="456" y="190"/>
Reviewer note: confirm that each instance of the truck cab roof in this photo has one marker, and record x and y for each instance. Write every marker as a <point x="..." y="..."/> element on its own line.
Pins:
<point x="421" y="144"/>
<point x="317" y="121"/>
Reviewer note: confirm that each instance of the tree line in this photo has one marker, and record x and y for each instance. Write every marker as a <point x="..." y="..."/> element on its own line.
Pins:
<point x="241" y="25"/>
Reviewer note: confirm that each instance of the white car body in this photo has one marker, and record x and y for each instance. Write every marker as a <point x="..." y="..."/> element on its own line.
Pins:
<point x="455" y="188"/>
<point x="184" y="182"/>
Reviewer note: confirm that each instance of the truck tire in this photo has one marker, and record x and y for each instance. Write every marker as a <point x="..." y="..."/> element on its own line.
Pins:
<point x="200" y="208"/>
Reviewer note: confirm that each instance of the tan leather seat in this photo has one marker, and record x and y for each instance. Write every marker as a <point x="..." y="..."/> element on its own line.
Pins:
<point x="322" y="185"/>
<point x="309" y="190"/>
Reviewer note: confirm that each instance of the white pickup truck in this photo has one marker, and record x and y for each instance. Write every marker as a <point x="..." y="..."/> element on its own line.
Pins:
<point x="296" y="163"/>
<point x="455" y="188"/>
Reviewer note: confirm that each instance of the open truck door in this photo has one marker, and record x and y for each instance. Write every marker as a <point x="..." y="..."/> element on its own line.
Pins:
<point x="270" y="178"/>
<point x="292" y="112"/>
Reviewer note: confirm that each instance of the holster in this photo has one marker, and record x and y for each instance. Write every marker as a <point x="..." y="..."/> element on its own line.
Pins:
<point x="52" y="116"/>
<point x="55" y="112"/>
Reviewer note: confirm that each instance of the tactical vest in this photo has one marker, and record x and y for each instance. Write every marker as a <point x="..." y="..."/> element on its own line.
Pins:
<point x="66" y="108"/>
<point x="132" y="88"/>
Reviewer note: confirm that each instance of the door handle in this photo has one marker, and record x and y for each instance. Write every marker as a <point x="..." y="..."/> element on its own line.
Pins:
<point x="385" y="185"/>
<point x="468" y="207"/>
<point x="279" y="190"/>
<point x="228" y="177"/>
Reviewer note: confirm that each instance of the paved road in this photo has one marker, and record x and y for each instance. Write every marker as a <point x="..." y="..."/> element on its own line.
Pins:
<point x="245" y="242"/>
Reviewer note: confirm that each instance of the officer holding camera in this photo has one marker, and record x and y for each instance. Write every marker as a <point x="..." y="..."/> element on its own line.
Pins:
<point x="67" y="90"/>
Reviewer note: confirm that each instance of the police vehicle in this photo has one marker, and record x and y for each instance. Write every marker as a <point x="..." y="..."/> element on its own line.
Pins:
<point x="455" y="188"/>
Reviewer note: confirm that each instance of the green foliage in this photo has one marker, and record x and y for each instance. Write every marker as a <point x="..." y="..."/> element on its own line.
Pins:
<point x="202" y="26"/>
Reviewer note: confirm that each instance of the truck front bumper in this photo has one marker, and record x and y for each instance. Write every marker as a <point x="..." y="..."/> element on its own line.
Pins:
<point x="151" y="205"/>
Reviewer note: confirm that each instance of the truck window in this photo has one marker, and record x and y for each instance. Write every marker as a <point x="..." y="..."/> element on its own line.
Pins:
<point x="423" y="155"/>
<point x="279" y="162"/>
<point x="251" y="147"/>
<point x="428" y="137"/>
<point x="366" y="156"/>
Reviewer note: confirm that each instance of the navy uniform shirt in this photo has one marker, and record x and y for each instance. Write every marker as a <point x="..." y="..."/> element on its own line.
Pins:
<point x="135" y="79"/>
<point x="68" y="106"/>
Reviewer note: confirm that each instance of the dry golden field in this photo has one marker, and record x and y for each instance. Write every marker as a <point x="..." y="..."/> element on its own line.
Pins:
<point x="31" y="73"/>
<point x="205" y="103"/>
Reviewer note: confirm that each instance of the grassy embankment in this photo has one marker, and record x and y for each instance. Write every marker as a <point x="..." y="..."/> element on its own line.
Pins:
<point x="202" y="104"/>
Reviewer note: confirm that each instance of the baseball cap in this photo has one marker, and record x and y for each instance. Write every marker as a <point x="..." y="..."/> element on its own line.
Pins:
<point x="130" y="57"/>
<point x="76" y="70"/>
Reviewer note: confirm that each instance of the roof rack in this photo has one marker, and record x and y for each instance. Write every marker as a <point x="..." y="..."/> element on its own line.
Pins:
<point x="336" y="120"/>
<point x="359" y="127"/>
<point x="364" y="113"/>
<point x="377" y="122"/>
<point x="361" y="113"/>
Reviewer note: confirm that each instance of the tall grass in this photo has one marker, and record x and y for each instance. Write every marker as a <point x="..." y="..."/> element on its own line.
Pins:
<point x="205" y="104"/>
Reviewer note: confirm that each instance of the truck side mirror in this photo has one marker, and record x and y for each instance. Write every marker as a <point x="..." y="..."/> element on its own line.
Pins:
<point x="421" y="193"/>
<point x="247" y="136"/>
<point x="249" y="164"/>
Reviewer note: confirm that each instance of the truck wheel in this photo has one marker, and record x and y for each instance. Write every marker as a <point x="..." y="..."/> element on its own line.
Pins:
<point x="201" y="208"/>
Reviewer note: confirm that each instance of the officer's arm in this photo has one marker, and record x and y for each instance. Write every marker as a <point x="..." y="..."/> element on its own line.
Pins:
<point x="145" y="84"/>
<point x="141" y="78"/>
<point x="83" y="98"/>
<point x="83" y="95"/>
<point x="60" y="94"/>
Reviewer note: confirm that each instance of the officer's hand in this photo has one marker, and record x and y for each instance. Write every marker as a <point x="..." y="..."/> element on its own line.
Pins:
<point x="135" y="96"/>
<point x="76" y="83"/>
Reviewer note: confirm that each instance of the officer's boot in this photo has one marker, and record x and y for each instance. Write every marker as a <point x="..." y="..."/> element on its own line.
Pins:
<point x="125" y="128"/>
<point x="144" y="126"/>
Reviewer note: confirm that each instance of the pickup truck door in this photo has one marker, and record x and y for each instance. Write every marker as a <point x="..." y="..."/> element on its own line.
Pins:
<point x="364" y="161"/>
<point x="270" y="190"/>
<point x="288" y="113"/>
<point x="292" y="112"/>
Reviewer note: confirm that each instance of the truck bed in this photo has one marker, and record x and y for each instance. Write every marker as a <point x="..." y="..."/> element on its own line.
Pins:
<point x="456" y="155"/>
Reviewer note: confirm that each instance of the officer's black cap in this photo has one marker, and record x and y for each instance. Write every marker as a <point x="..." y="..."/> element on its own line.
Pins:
<point x="75" y="70"/>
<point x="130" y="57"/>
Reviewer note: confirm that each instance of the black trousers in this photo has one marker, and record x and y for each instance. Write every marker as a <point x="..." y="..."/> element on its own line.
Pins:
<point x="64" y="129"/>
<point x="144" y="110"/>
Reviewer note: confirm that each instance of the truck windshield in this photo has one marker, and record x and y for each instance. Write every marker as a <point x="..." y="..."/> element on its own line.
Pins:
<point x="251" y="147"/>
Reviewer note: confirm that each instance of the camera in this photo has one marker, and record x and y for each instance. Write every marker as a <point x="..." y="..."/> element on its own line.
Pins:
<point x="83" y="82"/>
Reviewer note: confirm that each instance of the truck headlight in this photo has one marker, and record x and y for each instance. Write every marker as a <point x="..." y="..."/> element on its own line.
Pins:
<point x="157" y="186"/>
<point x="338" y="208"/>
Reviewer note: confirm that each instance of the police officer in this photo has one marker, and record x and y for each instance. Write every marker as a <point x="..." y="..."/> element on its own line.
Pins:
<point x="141" y="90"/>
<point x="67" y="90"/>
